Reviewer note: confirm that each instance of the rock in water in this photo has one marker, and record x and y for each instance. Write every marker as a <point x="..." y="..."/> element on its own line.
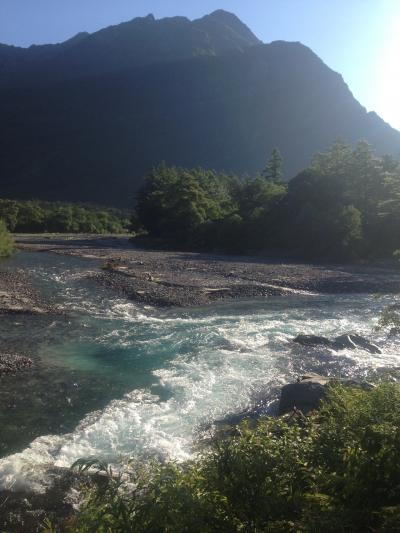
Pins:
<point x="354" y="341"/>
<point x="308" y="392"/>
<point x="347" y="341"/>
<point x="312" y="340"/>
<point x="305" y="394"/>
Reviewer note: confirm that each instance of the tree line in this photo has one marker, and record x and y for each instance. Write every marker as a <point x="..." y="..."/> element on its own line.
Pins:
<point x="346" y="205"/>
<point x="42" y="217"/>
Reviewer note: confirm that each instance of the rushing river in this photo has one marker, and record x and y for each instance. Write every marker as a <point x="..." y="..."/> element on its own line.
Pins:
<point x="117" y="379"/>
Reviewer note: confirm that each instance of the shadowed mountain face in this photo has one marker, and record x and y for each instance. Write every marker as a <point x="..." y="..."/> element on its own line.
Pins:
<point x="142" y="41"/>
<point x="85" y="119"/>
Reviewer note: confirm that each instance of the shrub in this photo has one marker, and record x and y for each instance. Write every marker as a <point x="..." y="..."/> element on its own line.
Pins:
<point x="337" y="470"/>
<point x="6" y="241"/>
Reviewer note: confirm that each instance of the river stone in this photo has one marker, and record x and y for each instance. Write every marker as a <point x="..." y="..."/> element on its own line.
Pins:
<point x="354" y="341"/>
<point x="312" y="340"/>
<point x="308" y="392"/>
<point x="10" y="363"/>
<point x="347" y="341"/>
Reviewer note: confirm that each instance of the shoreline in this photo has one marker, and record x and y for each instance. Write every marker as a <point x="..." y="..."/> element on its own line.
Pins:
<point x="166" y="279"/>
<point x="18" y="296"/>
<point x="190" y="279"/>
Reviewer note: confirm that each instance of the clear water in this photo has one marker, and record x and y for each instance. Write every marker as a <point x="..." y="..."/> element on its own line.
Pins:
<point x="129" y="380"/>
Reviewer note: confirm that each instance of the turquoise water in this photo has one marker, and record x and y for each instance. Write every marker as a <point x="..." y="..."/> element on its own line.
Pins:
<point x="130" y="380"/>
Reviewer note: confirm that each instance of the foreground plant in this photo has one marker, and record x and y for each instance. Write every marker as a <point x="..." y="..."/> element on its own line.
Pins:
<point x="336" y="471"/>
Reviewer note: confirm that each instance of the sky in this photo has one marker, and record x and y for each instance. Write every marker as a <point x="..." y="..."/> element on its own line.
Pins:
<point x="358" y="38"/>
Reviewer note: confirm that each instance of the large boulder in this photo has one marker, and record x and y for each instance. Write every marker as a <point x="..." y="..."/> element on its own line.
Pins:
<point x="312" y="340"/>
<point x="347" y="341"/>
<point x="354" y="341"/>
<point x="307" y="393"/>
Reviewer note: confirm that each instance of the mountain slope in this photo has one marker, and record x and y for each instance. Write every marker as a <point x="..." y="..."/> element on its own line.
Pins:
<point x="141" y="41"/>
<point x="93" y="137"/>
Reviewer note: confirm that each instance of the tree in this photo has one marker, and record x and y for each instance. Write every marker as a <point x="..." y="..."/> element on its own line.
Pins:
<point x="175" y="203"/>
<point x="347" y="204"/>
<point x="273" y="171"/>
<point x="9" y="211"/>
<point x="6" y="242"/>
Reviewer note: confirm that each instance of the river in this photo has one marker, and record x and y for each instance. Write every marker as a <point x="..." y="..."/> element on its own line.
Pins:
<point x="115" y="379"/>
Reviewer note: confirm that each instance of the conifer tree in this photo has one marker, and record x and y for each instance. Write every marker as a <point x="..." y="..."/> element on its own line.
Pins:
<point x="273" y="171"/>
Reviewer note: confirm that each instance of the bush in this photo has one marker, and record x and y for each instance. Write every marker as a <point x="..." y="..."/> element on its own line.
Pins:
<point x="6" y="241"/>
<point x="337" y="470"/>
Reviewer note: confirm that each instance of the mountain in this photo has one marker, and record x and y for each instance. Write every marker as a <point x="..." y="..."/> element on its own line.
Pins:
<point x="139" y="42"/>
<point x="203" y="93"/>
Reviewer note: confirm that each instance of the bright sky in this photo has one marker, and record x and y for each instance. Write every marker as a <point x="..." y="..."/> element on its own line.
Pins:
<point x="358" y="38"/>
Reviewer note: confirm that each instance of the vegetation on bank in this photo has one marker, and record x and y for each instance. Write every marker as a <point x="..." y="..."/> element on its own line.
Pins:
<point x="47" y="217"/>
<point x="6" y="241"/>
<point x="346" y="205"/>
<point x="336" y="470"/>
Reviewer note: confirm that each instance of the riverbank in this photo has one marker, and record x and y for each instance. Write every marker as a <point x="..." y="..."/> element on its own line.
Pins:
<point x="111" y="378"/>
<point x="183" y="279"/>
<point x="18" y="297"/>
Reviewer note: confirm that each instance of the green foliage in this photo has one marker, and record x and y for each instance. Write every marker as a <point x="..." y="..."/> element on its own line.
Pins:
<point x="205" y="209"/>
<point x="6" y="241"/>
<point x="41" y="217"/>
<point x="345" y="206"/>
<point x="178" y="203"/>
<point x="273" y="171"/>
<point x="390" y="319"/>
<point x="337" y="470"/>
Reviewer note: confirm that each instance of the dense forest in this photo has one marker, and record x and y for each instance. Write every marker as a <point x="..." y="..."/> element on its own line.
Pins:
<point x="45" y="217"/>
<point x="346" y="205"/>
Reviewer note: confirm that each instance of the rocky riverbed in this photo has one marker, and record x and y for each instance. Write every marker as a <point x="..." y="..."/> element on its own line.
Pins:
<point x="17" y="295"/>
<point x="181" y="279"/>
<point x="107" y="368"/>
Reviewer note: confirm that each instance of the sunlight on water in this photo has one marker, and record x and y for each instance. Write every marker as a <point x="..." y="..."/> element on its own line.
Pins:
<point x="183" y="369"/>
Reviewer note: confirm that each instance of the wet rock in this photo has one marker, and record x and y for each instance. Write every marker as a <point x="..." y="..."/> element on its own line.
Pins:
<point x="304" y="395"/>
<point x="354" y="341"/>
<point x="312" y="340"/>
<point x="347" y="341"/>
<point x="307" y="393"/>
<point x="11" y="363"/>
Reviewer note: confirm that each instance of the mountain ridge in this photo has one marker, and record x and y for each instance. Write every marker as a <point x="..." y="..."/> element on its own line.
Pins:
<point x="93" y="136"/>
<point x="142" y="40"/>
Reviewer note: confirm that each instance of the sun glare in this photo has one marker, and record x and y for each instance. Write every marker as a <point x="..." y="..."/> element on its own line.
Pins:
<point x="388" y="82"/>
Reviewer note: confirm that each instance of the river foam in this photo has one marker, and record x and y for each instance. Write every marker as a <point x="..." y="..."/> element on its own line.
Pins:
<point x="183" y="369"/>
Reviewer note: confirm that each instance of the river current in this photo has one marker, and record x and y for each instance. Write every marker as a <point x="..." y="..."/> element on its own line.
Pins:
<point x="116" y="379"/>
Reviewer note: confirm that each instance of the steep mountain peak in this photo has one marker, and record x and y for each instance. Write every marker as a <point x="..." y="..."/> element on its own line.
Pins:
<point x="138" y="42"/>
<point x="223" y="16"/>
<point x="228" y="24"/>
